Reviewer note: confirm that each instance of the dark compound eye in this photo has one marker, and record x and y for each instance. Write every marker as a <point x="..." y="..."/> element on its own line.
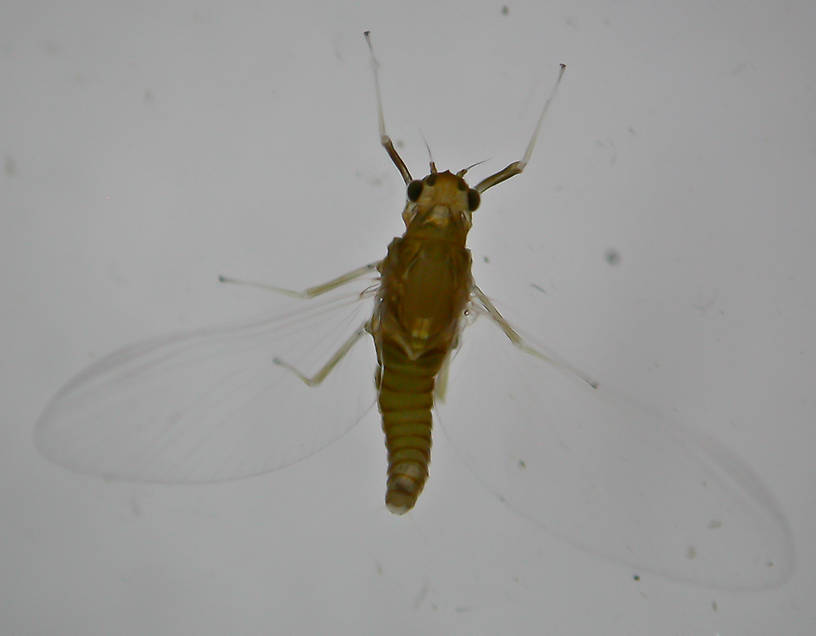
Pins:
<point x="474" y="198"/>
<point x="414" y="190"/>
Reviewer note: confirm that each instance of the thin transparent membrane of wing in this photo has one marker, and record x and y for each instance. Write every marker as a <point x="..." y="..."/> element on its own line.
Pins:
<point x="609" y="475"/>
<point x="211" y="404"/>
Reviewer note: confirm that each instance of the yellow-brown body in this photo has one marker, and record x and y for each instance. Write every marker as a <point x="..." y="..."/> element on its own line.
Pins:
<point x="425" y="286"/>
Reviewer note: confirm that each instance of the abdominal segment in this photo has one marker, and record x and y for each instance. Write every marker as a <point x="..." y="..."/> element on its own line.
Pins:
<point x="405" y="400"/>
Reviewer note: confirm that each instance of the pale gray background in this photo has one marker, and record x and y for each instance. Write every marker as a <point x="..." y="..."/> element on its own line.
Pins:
<point x="148" y="147"/>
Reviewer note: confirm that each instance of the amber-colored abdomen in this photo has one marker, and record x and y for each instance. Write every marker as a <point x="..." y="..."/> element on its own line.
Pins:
<point x="405" y="399"/>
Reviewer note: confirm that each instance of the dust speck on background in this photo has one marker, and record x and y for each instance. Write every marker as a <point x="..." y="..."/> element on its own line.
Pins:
<point x="612" y="256"/>
<point x="10" y="166"/>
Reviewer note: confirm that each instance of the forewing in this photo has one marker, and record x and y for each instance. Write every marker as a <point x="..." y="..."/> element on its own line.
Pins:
<point x="211" y="404"/>
<point x="607" y="474"/>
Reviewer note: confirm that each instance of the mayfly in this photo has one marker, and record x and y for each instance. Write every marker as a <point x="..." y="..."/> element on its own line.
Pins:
<point x="597" y="470"/>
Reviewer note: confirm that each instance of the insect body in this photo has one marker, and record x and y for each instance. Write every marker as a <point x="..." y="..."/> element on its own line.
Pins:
<point x="425" y="288"/>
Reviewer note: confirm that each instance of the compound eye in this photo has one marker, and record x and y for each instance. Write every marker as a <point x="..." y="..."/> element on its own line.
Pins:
<point x="414" y="190"/>
<point x="474" y="198"/>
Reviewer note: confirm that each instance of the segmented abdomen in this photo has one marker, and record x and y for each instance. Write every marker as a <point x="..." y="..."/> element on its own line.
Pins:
<point x="406" y="398"/>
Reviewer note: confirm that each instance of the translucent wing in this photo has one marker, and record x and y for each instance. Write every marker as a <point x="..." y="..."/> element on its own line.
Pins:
<point x="608" y="475"/>
<point x="211" y="405"/>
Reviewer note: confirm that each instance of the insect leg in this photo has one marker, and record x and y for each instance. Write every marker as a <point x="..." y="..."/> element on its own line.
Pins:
<point x="311" y="292"/>
<point x="324" y="371"/>
<point x="385" y="140"/>
<point x="517" y="166"/>
<point x="441" y="383"/>
<point x="519" y="342"/>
